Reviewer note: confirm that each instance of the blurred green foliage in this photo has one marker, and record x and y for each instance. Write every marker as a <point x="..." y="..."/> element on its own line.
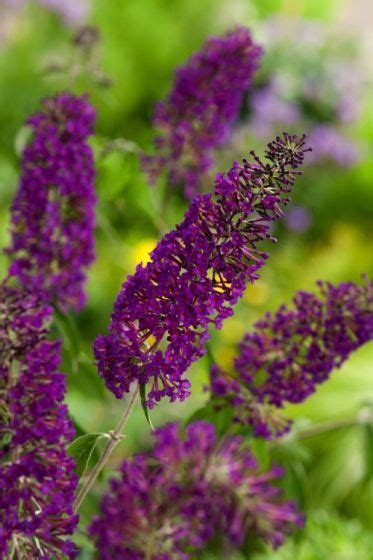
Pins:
<point x="326" y="537"/>
<point x="142" y="41"/>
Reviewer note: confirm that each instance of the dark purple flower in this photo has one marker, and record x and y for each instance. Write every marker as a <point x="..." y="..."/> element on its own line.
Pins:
<point x="198" y="113"/>
<point x="196" y="274"/>
<point x="52" y="241"/>
<point x="290" y="352"/>
<point x="37" y="479"/>
<point x="171" y="502"/>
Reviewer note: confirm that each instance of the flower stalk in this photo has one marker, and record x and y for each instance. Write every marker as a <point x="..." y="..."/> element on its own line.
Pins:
<point x="114" y="437"/>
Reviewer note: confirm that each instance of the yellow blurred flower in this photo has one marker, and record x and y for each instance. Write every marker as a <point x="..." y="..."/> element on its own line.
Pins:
<point x="142" y="249"/>
<point x="344" y="234"/>
<point x="346" y="251"/>
<point x="232" y="331"/>
<point x="224" y="356"/>
<point x="257" y="294"/>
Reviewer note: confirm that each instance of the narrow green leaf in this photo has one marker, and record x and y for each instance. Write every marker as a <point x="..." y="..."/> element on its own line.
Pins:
<point x="209" y="355"/>
<point x="22" y="138"/>
<point x="69" y="330"/>
<point x="207" y="412"/>
<point x="260" y="448"/>
<point x="81" y="449"/>
<point x="220" y="416"/>
<point x="143" y="404"/>
<point x="366" y="420"/>
<point x="79" y="430"/>
<point x="5" y="439"/>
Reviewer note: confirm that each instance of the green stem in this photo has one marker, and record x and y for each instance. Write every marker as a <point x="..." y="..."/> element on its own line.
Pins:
<point x="149" y="548"/>
<point x="160" y="212"/>
<point x="114" y="437"/>
<point x="326" y="427"/>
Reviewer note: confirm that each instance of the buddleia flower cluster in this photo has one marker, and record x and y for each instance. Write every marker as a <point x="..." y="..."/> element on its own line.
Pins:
<point x="197" y="272"/>
<point x="199" y="112"/>
<point x="171" y="502"/>
<point x="290" y="352"/>
<point x="52" y="217"/>
<point x="37" y="479"/>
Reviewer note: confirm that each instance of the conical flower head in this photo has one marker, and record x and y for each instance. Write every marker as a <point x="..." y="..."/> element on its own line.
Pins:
<point x="52" y="216"/>
<point x="196" y="274"/>
<point x="172" y="502"/>
<point x="37" y="479"/>
<point x="292" y="351"/>
<point x="199" y="112"/>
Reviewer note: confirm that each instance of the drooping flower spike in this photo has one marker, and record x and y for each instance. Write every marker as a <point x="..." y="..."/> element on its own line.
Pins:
<point x="52" y="220"/>
<point x="292" y="351"/>
<point x="171" y="502"/>
<point x="196" y="274"/>
<point x="199" y="112"/>
<point x="37" y="479"/>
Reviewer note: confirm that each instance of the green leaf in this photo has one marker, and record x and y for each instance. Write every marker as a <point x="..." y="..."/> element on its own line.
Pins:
<point x="221" y="416"/>
<point x="260" y="448"/>
<point x="209" y="355"/>
<point x="79" y="430"/>
<point x="22" y="138"/>
<point x="366" y="420"/>
<point x="143" y="404"/>
<point x="207" y="412"/>
<point x="81" y="449"/>
<point x="5" y="439"/>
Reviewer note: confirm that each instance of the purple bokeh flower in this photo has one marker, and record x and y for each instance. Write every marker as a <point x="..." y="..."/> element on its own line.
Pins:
<point x="171" y="502"/>
<point x="329" y="144"/>
<point x="37" y="479"/>
<point x="52" y="221"/>
<point x="316" y="89"/>
<point x="292" y="351"/>
<point x="270" y="110"/>
<point x="198" y="113"/>
<point x="196" y="274"/>
<point x="298" y="219"/>
<point x="74" y="12"/>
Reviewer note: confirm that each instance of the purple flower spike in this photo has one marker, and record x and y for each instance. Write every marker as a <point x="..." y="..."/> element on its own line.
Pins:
<point x="37" y="479"/>
<point x="199" y="112"/>
<point x="53" y="220"/>
<point x="289" y="353"/>
<point x="170" y="503"/>
<point x="196" y="274"/>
